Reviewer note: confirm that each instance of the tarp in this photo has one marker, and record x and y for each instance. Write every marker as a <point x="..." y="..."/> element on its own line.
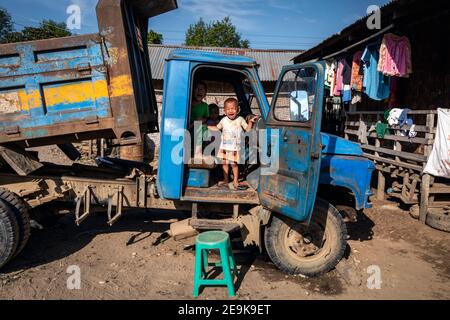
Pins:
<point x="439" y="160"/>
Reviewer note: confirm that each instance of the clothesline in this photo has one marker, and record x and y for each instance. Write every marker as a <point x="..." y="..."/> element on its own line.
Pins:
<point x="359" y="42"/>
<point x="373" y="71"/>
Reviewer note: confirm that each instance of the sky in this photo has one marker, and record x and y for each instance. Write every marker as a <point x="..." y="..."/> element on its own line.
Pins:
<point x="267" y="24"/>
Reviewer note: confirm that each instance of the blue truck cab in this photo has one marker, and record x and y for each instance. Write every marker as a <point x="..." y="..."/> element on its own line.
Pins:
<point x="58" y="91"/>
<point x="341" y="162"/>
<point x="300" y="160"/>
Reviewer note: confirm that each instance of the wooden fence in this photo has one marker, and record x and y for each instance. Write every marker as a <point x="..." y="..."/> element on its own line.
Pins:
<point x="401" y="158"/>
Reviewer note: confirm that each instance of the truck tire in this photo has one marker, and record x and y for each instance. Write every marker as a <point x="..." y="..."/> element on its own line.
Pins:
<point x="296" y="248"/>
<point x="22" y="215"/>
<point x="9" y="233"/>
<point x="438" y="220"/>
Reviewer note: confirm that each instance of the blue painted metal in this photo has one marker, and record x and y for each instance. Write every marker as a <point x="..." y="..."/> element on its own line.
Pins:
<point x="198" y="178"/>
<point x="332" y="144"/>
<point x="175" y="111"/>
<point x="210" y="57"/>
<point x="174" y="118"/>
<point x="292" y="189"/>
<point x="351" y="172"/>
<point x="82" y="87"/>
<point x="35" y="71"/>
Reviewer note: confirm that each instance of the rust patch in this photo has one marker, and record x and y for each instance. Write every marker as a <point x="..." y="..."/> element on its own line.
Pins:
<point x="9" y="102"/>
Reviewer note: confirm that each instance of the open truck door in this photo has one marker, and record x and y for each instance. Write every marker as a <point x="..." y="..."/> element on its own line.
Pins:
<point x="293" y="130"/>
<point x="305" y="234"/>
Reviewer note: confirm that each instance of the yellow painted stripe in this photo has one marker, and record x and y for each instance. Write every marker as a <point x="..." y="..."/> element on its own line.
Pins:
<point x="121" y="86"/>
<point x="72" y="93"/>
<point x="23" y="98"/>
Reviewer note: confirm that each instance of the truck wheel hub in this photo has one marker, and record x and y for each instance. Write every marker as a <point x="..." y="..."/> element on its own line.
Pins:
<point x="305" y="241"/>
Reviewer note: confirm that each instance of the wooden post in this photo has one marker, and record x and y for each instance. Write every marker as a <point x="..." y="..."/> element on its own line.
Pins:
<point x="381" y="185"/>
<point x="90" y="150"/>
<point x="424" y="194"/>
<point x="426" y="178"/>
<point x="102" y="147"/>
<point x="381" y="178"/>
<point x="405" y="185"/>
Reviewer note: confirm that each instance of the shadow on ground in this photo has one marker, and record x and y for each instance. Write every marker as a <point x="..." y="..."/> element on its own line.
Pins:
<point x="62" y="238"/>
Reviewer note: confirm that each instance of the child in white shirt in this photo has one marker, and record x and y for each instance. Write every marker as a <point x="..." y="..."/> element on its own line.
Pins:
<point x="232" y="127"/>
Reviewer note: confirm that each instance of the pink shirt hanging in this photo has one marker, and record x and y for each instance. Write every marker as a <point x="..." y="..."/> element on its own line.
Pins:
<point x="395" y="56"/>
<point x="339" y="85"/>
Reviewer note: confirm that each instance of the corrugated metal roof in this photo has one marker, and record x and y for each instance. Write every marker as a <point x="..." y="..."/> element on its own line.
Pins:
<point x="270" y="61"/>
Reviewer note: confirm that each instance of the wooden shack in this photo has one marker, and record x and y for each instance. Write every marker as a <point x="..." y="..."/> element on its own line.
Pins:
<point x="399" y="159"/>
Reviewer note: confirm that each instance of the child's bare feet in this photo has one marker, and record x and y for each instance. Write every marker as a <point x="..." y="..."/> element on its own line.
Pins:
<point x="237" y="186"/>
<point x="222" y="183"/>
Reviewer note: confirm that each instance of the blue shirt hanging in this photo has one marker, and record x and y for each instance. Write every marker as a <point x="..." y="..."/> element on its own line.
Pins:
<point x="376" y="85"/>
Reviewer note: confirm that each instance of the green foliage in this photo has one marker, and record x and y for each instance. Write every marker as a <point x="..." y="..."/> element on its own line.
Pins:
<point x="154" y="37"/>
<point x="6" y="25"/>
<point x="47" y="29"/>
<point x="196" y="34"/>
<point x="215" y="34"/>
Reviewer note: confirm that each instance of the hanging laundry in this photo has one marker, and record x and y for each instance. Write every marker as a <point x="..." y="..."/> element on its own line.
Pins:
<point x="347" y="70"/>
<point x="330" y="75"/>
<point x="343" y="76"/>
<point x="357" y="74"/>
<point x="438" y="163"/>
<point x="362" y="132"/>
<point x="333" y="81"/>
<point x="346" y="93"/>
<point x="339" y="85"/>
<point x="376" y="85"/>
<point x="356" y="97"/>
<point x="381" y="129"/>
<point x="398" y="116"/>
<point x="395" y="56"/>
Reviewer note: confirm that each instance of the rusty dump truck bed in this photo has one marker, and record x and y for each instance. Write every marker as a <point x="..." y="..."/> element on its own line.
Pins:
<point x="82" y="87"/>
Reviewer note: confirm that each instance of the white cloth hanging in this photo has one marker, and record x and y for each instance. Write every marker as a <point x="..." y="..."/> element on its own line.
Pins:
<point x="438" y="163"/>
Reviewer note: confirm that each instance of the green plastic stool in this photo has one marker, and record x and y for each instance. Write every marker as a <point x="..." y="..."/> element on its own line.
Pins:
<point x="210" y="240"/>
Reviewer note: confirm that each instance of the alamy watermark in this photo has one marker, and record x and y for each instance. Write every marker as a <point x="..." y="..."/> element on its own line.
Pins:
<point x="74" y="280"/>
<point x="74" y="19"/>
<point x="254" y="147"/>
<point x="374" y="19"/>
<point x="374" y="280"/>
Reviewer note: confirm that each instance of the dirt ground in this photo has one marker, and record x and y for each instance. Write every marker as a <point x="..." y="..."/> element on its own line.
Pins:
<point x="126" y="261"/>
<point x="123" y="262"/>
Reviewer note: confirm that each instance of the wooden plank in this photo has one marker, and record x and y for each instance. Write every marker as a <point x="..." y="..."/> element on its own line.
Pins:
<point x="382" y="112"/>
<point x="221" y="195"/>
<point x="406" y="155"/>
<point x="394" y="138"/>
<point x="412" y="190"/>
<point x="417" y="128"/>
<point x="405" y="184"/>
<point x="70" y="151"/>
<point x="391" y="161"/>
<point x="19" y="160"/>
<point x="439" y="188"/>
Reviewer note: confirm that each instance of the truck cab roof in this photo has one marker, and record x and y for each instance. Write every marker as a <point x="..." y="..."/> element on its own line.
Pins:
<point x="210" y="57"/>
